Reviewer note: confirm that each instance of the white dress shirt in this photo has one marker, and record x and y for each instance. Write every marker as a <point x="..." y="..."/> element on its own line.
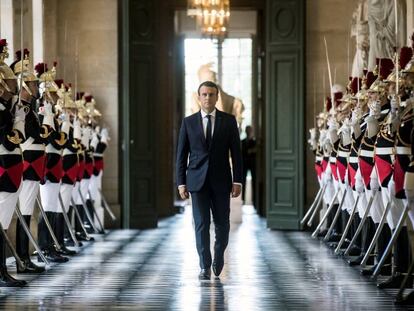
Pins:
<point x="205" y="121"/>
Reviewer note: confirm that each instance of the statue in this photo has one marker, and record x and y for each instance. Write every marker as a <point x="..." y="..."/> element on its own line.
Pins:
<point x="381" y="21"/>
<point x="360" y="30"/>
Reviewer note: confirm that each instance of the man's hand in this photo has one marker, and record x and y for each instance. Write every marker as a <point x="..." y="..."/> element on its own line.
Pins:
<point x="183" y="192"/>
<point x="236" y="190"/>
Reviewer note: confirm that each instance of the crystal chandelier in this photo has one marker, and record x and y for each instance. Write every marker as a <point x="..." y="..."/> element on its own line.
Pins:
<point x="212" y="16"/>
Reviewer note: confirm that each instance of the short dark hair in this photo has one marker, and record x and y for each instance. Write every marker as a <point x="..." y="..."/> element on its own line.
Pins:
<point x="208" y="84"/>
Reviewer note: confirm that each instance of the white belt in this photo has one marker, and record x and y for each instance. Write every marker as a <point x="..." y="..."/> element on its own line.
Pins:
<point x="353" y="159"/>
<point x="366" y="153"/>
<point x="27" y="143"/>
<point x="403" y="150"/>
<point x="101" y="155"/>
<point x="343" y="154"/>
<point x="332" y="160"/>
<point x="384" y="150"/>
<point x="67" y="152"/>
<point x="4" y="151"/>
<point x="318" y="158"/>
<point x="34" y="147"/>
<point x="51" y="149"/>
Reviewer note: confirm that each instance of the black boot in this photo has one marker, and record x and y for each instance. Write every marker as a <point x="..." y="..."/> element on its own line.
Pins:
<point x="22" y="248"/>
<point x="6" y="280"/>
<point x="59" y="232"/>
<point x="67" y="236"/>
<point x="48" y="248"/>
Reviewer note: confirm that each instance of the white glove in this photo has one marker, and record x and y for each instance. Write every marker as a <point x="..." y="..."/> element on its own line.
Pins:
<point x="19" y="120"/>
<point x="409" y="186"/>
<point x="104" y="135"/>
<point x="372" y="126"/>
<point x="359" y="182"/>
<point x="77" y="132"/>
<point x="333" y="131"/>
<point x="97" y="129"/>
<point x="48" y="116"/>
<point x="65" y="128"/>
<point x="94" y="140"/>
<point x="86" y="134"/>
<point x="63" y="117"/>
<point x="2" y="107"/>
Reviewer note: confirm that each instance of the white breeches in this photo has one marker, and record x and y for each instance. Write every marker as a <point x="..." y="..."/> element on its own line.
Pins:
<point x="28" y="195"/>
<point x="49" y="194"/>
<point x="7" y="206"/>
<point x="66" y="193"/>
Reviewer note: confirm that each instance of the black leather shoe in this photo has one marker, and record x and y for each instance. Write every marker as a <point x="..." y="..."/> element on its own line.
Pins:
<point x="53" y="256"/>
<point x="395" y="281"/>
<point x="30" y="267"/>
<point x="69" y="242"/>
<point x="6" y="280"/>
<point x="217" y="267"/>
<point x="66" y="251"/>
<point x="385" y="270"/>
<point x="205" y="274"/>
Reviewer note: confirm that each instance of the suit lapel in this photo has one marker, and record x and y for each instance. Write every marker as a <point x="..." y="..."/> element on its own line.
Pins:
<point x="201" y="129"/>
<point x="217" y="125"/>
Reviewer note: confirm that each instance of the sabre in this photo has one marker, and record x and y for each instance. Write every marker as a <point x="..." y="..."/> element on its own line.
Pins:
<point x="88" y="215"/>
<point x="336" y="217"/>
<point x="106" y="206"/>
<point x="316" y="210"/>
<point x="88" y="237"/>
<point x="29" y="234"/>
<point x="329" y="208"/>
<point x="314" y="204"/>
<point x="96" y="214"/>
<point x="376" y="235"/>
<point x="394" y="237"/>
<point x="361" y="224"/>
<point x="314" y="234"/>
<point x="66" y="218"/>
<point x="348" y="225"/>
<point x="49" y="227"/>
<point x="19" y="262"/>
<point x="329" y="72"/>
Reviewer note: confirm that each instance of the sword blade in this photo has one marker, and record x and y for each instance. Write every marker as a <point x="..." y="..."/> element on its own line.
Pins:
<point x="348" y="224"/>
<point x="361" y="224"/>
<point x="376" y="235"/>
<point x="49" y="227"/>
<point x="68" y="225"/>
<point x="106" y="206"/>
<point x="29" y="234"/>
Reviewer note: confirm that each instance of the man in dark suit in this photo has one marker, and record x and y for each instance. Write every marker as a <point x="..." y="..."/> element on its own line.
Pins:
<point x="206" y="138"/>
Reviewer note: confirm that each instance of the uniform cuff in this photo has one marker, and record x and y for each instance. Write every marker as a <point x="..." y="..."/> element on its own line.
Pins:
<point x="238" y="183"/>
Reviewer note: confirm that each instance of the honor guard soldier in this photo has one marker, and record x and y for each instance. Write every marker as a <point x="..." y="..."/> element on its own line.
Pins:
<point x="50" y="186"/>
<point x="70" y="159"/>
<point x="33" y="149"/>
<point x="12" y="119"/>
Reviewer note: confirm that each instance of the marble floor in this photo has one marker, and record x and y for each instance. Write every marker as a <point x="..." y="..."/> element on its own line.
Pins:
<point x="157" y="270"/>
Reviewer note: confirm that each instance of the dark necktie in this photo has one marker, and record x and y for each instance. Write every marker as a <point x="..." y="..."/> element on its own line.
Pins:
<point x="208" y="131"/>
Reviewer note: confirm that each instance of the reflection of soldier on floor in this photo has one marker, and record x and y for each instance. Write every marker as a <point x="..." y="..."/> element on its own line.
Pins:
<point x="249" y="161"/>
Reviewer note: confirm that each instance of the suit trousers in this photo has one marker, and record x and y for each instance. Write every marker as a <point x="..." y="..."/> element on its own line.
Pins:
<point x="204" y="201"/>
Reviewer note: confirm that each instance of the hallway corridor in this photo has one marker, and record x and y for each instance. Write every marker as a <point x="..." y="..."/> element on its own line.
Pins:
<point x="157" y="270"/>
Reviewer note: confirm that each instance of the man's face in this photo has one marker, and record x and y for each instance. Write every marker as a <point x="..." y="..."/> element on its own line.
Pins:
<point x="208" y="98"/>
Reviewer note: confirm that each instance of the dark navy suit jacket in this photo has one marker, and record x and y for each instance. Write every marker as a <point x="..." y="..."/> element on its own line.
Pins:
<point x="212" y="163"/>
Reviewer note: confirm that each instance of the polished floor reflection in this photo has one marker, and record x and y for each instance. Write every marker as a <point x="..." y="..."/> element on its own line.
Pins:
<point x="157" y="270"/>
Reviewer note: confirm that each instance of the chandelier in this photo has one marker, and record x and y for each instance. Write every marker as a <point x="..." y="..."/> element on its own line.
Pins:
<point x="212" y="16"/>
